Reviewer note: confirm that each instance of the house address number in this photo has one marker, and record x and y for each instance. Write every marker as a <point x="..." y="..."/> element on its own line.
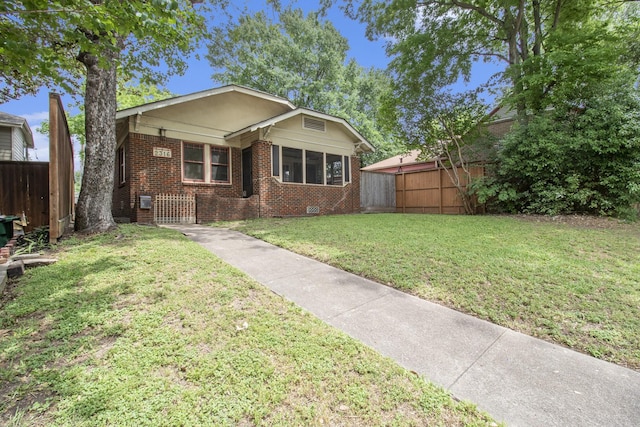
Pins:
<point x="161" y="152"/>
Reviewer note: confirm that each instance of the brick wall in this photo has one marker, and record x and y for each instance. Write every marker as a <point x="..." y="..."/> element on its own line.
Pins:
<point x="500" y="128"/>
<point x="122" y="209"/>
<point x="149" y="175"/>
<point x="210" y="208"/>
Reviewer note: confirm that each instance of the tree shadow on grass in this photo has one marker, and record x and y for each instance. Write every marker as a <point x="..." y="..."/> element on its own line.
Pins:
<point x="56" y="318"/>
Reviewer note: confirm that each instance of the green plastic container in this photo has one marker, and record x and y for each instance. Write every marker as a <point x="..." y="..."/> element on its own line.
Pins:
<point x="6" y="228"/>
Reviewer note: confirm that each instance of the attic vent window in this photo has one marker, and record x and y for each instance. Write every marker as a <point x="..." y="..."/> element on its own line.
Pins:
<point x="313" y="124"/>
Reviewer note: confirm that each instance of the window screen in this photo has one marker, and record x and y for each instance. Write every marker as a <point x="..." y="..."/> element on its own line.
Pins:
<point x="291" y="164"/>
<point x="314" y="168"/>
<point x="334" y="169"/>
<point x="275" y="160"/>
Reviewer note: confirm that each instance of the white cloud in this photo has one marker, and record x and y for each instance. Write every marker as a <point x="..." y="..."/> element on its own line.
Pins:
<point x="41" y="142"/>
<point x="36" y="118"/>
<point x="41" y="151"/>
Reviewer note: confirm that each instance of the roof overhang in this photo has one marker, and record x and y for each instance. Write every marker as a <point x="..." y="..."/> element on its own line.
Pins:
<point x="199" y="95"/>
<point x="362" y="143"/>
<point x="28" y="135"/>
<point x="10" y="120"/>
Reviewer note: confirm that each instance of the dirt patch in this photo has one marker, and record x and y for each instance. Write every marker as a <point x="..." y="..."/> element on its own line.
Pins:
<point x="20" y="412"/>
<point x="581" y="221"/>
<point x="9" y="293"/>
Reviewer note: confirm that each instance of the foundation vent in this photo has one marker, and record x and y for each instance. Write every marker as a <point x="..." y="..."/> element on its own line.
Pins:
<point x="313" y="209"/>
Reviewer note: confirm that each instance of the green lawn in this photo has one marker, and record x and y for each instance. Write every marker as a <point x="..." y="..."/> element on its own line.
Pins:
<point x="572" y="285"/>
<point x="143" y="327"/>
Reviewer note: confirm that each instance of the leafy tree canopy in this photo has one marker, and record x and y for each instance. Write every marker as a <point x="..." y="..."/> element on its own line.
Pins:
<point x="548" y="48"/>
<point x="584" y="160"/>
<point x="76" y="43"/>
<point x="41" y="41"/>
<point x="129" y="94"/>
<point x="571" y="75"/>
<point x="304" y="59"/>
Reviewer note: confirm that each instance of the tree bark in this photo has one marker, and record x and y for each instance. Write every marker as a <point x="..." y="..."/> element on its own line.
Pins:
<point x="93" y="213"/>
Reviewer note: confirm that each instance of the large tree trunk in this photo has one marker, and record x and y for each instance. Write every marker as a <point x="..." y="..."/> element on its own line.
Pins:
<point x="93" y="213"/>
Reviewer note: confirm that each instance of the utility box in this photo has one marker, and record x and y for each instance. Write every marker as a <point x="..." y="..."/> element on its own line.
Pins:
<point x="145" y="202"/>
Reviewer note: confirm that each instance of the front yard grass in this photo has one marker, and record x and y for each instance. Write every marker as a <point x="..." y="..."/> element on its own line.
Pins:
<point x="143" y="327"/>
<point x="576" y="286"/>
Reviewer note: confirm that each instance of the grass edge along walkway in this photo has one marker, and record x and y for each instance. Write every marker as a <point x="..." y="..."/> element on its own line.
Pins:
<point x="141" y="326"/>
<point x="574" y="286"/>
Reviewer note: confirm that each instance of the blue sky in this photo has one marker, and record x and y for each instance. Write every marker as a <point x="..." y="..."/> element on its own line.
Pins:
<point x="198" y="76"/>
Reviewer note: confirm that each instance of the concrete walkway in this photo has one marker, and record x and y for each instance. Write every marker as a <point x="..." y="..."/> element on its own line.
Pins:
<point x="515" y="378"/>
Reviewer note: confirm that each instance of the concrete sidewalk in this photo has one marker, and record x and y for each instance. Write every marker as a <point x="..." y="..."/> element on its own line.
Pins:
<point x="517" y="379"/>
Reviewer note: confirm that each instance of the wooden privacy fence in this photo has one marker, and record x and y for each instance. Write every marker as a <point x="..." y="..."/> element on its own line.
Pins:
<point x="43" y="191"/>
<point x="430" y="191"/>
<point x="61" y="176"/>
<point x="24" y="188"/>
<point x="174" y="209"/>
<point x="377" y="192"/>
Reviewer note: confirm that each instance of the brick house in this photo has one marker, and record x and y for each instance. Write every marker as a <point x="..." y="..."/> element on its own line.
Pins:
<point x="233" y="153"/>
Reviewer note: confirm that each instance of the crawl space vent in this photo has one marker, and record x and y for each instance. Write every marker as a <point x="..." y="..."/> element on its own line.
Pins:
<point x="313" y="209"/>
<point x="313" y="124"/>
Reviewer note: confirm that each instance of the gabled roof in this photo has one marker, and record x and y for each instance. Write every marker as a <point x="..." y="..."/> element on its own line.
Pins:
<point x="10" y="120"/>
<point x="298" y="111"/>
<point x="501" y="113"/>
<point x="199" y="95"/>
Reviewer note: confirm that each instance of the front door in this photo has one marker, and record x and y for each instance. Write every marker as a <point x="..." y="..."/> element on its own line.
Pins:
<point x="247" y="173"/>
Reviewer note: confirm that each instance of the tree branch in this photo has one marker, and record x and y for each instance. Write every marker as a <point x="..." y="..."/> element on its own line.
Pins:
<point x="24" y="11"/>
<point x="556" y="14"/>
<point x="479" y="10"/>
<point x="497" y="55"/>
<point x="464" y="5"/>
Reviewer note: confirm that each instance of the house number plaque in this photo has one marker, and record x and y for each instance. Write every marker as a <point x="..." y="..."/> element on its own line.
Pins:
<point x="161" y="152"/>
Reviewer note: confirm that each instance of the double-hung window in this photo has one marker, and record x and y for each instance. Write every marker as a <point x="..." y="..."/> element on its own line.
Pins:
<point x="205" y="163"/>
<point x="193" y="155"/>
<point x="220" y="164"/>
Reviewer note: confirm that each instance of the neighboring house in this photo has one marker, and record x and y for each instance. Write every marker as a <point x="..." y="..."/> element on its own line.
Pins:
<point x="407" y="162"/>
<point x="499" y="124"/>
<point x="15" y="138"/>
<point x="234" y="153"/>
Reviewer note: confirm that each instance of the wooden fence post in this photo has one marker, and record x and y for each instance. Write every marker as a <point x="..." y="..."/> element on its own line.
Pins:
<point x="439" y="191"/>
<point x="404" y="192"/>
<point x="54" y="192"/>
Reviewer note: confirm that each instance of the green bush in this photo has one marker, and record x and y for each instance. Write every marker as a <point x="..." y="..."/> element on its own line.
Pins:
<point x="572" y="160"/>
